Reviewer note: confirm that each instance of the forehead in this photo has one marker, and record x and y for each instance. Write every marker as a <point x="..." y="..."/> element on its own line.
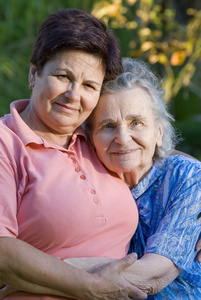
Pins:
<point x="77" y="61"/>
<point x="135" y="101"/>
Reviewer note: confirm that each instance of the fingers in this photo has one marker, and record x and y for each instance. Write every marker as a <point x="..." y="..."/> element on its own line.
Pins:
<point x="137" y="294"/>
<point x="125" y="262"/>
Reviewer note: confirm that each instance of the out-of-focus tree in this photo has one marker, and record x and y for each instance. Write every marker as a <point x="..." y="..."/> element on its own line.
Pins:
<point x="158" y="37"/>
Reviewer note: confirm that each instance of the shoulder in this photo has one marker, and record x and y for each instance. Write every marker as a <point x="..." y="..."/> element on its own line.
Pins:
<point x="179" y="174"/>
<point x="6" y="133"/>
<point x="179" y="165"/>
<point x="10" y="144"/>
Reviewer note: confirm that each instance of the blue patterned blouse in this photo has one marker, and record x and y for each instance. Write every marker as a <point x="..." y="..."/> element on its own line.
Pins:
<point x="169" y="204"/>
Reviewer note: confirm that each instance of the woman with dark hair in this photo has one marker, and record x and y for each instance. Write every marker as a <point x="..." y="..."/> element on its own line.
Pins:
<point x="56" y="198"/>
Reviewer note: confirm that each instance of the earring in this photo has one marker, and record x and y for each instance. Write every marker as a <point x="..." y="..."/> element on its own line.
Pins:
<point x="31" y="84"/>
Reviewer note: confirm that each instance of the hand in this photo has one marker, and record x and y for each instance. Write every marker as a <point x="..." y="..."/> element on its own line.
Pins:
<point x="110" y="283"/>
<point x="5" y="291"/>
<point x="198" y="248"/>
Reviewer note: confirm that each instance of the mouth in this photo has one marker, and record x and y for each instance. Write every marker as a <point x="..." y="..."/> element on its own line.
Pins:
<point x="66" y="107"/>
<point x="123" y="152"/>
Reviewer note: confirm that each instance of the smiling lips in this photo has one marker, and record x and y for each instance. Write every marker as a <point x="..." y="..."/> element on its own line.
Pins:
<point x="123" y="152"/>
<point x="67" y="108"/>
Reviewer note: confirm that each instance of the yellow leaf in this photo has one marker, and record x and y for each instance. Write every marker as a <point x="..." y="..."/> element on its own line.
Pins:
<point x="162" y="58"/>
<point x="147" y="46"/>
<point x="135" y="53"/>
<point x="131" y="25"/>
<point x="145" y="31"/>
<point x="153" y="59"/>
<point x="131" y="2"/>
<point x="178" y="58"/>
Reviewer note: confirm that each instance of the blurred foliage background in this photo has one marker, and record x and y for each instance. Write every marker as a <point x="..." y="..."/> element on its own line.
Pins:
<point x="167" y="34"/>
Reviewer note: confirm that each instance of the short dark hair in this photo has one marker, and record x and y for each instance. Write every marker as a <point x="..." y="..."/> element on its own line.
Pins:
<point x="73" y="29"/>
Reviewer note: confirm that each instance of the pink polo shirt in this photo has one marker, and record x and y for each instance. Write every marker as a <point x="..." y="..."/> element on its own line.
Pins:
<point x="61" y="201"/>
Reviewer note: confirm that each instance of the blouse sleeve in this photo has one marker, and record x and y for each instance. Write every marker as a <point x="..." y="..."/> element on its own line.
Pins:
<point x="180" y="227"/>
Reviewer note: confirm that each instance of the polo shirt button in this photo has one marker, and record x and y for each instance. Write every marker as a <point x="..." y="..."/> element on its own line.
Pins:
<point x="95" y="200"/>
<point x="77" y="169"/>
<point x="73" y="159"/>
<point x="92" y="191"/>
<point x="82" y="177"/>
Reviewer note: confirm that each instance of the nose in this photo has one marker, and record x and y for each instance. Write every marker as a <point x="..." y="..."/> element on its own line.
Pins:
<point x="123" y="136"/>
<point x="73" y="93"/>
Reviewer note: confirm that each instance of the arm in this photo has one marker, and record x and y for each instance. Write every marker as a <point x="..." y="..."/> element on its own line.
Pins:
<point x="27" y="269"/>
<point x="151" y="273"/>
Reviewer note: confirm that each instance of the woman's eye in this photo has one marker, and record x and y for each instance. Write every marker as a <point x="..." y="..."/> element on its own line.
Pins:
<point x="63" y="76"/>
<point x="135" y="123"/>
<point x="89" y="86"/>
<point x="109" y="126"/>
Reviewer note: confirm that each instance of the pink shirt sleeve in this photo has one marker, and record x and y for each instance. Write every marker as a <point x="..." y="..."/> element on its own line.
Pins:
<point x="8" y="196"/>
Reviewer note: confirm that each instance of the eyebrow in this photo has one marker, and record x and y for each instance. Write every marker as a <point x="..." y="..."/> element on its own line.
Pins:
<point x="106" y="121"/>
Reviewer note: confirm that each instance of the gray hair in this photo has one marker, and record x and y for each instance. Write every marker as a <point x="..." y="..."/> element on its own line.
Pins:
<point x="138" y="74"/>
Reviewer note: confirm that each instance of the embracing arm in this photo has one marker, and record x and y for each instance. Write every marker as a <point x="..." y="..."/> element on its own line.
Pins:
<point x="25" y="268"/>
<point x="151" y="273"/>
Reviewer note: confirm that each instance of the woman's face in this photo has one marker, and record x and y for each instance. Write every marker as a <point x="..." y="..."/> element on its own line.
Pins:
<point x="66" y="91"/>
<point x="125" y="133"/>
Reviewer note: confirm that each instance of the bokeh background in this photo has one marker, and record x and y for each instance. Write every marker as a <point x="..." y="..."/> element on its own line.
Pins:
<point x="167" y="34"/>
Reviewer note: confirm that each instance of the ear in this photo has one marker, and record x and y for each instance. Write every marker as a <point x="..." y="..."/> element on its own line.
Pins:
<point x="32" y="75"/>
<point x="160" y="135"/>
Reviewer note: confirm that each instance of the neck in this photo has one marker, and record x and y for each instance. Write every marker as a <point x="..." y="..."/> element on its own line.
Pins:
<point x="44" y="131"/>
<point x="132" y="178"/>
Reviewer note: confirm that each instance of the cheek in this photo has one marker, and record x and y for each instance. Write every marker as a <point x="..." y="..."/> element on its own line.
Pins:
<point x="95" y="142"/>
<point x="99" y="144"/>
<point x="90" y="102"/>
<point x="52" y="89"/>
<point x="42" y="91"/>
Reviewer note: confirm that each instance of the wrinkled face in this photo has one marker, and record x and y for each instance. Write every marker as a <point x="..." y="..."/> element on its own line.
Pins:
<point x="66" y="91"/>
<point x="124" y="131"/>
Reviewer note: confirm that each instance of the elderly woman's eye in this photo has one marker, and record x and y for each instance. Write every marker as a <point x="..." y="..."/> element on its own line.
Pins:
<point x="135" y="123"/>
<point x="109" y="126"/>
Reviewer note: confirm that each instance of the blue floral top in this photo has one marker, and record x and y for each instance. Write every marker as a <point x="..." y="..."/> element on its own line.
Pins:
<point x="169" y="204"/>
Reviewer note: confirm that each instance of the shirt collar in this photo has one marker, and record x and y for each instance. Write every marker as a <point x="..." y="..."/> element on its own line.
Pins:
<point x="156" y="170"/>
<point x="28" y="136"/>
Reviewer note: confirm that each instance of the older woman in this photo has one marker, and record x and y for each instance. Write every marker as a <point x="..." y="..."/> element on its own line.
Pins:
<point x="56" y="198"/>
<point x="132" y="133"/>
